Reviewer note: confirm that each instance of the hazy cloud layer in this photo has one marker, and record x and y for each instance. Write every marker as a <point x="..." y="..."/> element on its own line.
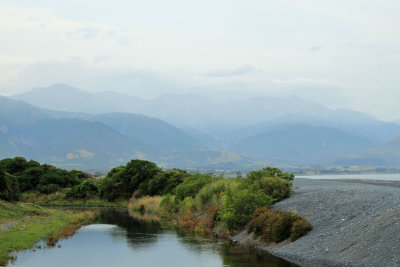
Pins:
<point x="341" y="53"/>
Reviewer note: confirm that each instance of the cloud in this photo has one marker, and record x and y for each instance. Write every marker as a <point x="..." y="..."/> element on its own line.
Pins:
<point x="305" y="81"/>
<point x="315" y="48"/>
<point x="88" y="32"/>
<point x="264" y="46"/>
<point x="243" y="70"/>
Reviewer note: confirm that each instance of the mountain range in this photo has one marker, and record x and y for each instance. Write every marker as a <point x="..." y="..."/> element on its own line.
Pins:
<point x="71" y="127"/>
<point x="97" y="142"/>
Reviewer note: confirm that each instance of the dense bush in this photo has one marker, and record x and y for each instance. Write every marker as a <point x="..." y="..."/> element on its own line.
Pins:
<point x="86" y="189"/>
<point x="239" y="205"/>
<point x="275" y="187"/>
<point x="168" y="204"/>
<point x="111" y="186"/>
<point x="207" y="199"/>
<point x="122" y="181"/>
<point x="269" y="172"/>
<point x="48" y="188"/>
<point x="192" y="185"/>
<point x="137" y="172"/>
<point x="277" y="225"/>
<point x="163" y="182"/>
<point x="24" y="176"/>
<point x="211" y="192"/>
<point x="17" y="164"/>
<point x="299" y="228"/>
<point x="8" y="187"/>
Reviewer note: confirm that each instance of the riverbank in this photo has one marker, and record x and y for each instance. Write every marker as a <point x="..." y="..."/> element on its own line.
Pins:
<point x="355" y="223"/>
<point x="23" y="224"/>
<point x="59" y="199"/>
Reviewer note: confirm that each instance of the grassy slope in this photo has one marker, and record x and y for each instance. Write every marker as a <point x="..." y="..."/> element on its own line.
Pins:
<point x="22" y="225"/>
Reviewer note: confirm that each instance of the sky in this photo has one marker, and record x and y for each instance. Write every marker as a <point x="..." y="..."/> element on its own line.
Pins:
<point x="343" y="54"/>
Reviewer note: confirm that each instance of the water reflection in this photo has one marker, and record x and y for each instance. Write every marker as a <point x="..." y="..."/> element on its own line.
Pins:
<point x="122" y="239"/>
<point x="138" y="232"/>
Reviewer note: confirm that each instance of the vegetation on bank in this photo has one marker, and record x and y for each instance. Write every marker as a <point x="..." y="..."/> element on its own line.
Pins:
<point x="206" y="202"/>
<point x="198" y="202"/>
<point x="23" y="224"/>
<point x="277" y="225"/>
<point x="18" y="176"/>
<point x="223" y="204"/>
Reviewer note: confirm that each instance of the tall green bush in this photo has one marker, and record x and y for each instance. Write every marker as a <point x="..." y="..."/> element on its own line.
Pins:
<point x="86" y="189"/>
<point x="192" y="185"/>
<point x="8" y="187"/>
<point x="239" y="205"/>
<point x="275" y="187"/>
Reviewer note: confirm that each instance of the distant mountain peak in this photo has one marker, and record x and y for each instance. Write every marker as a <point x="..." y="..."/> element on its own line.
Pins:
<point x="57" y="88"/>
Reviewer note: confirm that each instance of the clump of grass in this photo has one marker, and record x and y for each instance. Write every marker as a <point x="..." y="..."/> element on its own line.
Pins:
<point x="147" y="204"/>
<point x="278" y="225"/>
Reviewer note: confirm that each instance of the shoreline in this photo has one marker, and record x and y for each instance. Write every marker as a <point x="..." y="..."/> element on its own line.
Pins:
<point x="355" y="223"/>
<point x="24" y="224"/>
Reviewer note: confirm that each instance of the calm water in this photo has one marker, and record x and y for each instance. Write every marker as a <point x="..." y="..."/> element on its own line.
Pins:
<point x="387" y="177"/>
<point x="119" y="239"/>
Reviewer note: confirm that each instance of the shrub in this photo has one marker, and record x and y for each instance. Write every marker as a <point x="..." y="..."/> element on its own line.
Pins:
<point x="192" y="185"/>
<point x="269" y="172"/>
<point x="108" y="189"/>
<point x="167" y="203"/>
<point x="274" y="186"/>
<point x="278" y="225"/>
<point x="31" y="176"/>
<point x="299" y="228"/>
<point x="86" y="189"/>
<point x="239" y="205"/>
<point x="135" y="173"/>
<point x="187" y="205"/>
<point x="283" y="225"/>
<point x="122" y="181"/>
<point x="3" y="185"/>
<point x="164" y="182"/>
<point x="48" y="188"/>
<point x="8" y="187"/>
<point x="212" y="191"/>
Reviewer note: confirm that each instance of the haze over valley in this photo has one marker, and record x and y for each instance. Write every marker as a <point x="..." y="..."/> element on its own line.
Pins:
<point x="73" y="128"/>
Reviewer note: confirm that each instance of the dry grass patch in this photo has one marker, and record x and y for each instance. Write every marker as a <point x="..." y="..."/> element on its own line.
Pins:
<point x="146" y="204"/>
<point x="278" y="225"/>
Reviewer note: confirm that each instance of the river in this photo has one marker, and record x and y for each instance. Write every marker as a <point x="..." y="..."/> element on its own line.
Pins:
<point x="119" y="238"/>
<point x="383" y="177"/>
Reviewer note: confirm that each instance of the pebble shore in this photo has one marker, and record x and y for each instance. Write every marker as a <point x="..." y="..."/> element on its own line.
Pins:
<point x="355" y="223"/>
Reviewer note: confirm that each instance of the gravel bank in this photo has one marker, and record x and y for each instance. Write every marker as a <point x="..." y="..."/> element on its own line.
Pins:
<point x="355" y="223"/>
